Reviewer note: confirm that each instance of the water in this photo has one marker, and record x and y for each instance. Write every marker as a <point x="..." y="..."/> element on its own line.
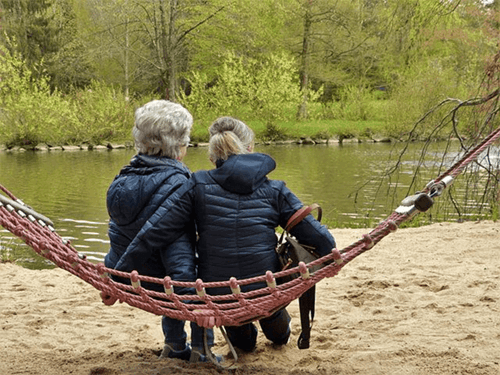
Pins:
<point x="70" y="187"/>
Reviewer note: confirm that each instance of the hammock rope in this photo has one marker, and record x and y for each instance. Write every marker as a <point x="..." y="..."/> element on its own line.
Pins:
<point x="232" y="309"/>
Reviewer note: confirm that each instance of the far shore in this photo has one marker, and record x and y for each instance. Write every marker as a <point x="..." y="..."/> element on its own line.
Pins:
<point x="44" y="147"/>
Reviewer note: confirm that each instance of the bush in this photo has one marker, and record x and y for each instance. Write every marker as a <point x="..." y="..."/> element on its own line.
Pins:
<point x="248" y="88"/>
<point x="103" y="114"/>
<point x="417" y="92"/>
<point x="30" y="113"/>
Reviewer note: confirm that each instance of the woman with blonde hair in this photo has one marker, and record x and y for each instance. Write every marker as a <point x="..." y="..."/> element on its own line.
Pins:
<point x="237" y="209"/>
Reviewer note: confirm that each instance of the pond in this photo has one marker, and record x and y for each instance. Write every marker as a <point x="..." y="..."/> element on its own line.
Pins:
<point x="70" y="187"/>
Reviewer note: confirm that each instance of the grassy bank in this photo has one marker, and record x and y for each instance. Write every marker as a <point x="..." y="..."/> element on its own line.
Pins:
<point x="315" y="129"/>
<point x="289" y="130"/>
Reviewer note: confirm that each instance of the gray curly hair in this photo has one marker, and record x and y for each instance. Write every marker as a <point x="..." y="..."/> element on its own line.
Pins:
<point x="161" y="128"/>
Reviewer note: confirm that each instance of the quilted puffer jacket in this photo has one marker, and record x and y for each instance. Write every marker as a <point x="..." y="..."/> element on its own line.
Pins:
<point x="133" y="196"/>
<point x="236" y="209"/>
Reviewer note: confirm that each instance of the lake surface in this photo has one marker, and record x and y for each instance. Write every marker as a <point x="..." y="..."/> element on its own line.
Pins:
<point x="347" y="181"/>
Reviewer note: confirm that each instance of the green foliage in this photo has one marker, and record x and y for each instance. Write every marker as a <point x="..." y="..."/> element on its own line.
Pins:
<point x="30" y="112"/>
<point x="273" y="132"/>
<point x="240" y="24"/>
<point x="495" y="211"/>
<point x="103" y="114"/>
<point x="249" y="89"/>
<point x="43" y="34"/>
<point x="419" y="51"/>
<point x="420" y="89"/>
<point x="70" y="65"/>
<point x="357" y="104"/>
<point x="30" y="25"/>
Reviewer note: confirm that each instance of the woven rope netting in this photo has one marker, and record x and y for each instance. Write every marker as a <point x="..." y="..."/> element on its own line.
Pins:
<point x="231" y="309"/>
<point x="207" y="310"/>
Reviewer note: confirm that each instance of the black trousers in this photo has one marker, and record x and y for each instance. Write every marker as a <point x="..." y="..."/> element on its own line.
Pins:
<point x="276" y="328"/>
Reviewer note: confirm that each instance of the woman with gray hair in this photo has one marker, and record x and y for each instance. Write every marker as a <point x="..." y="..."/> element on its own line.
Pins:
<point x="161" y="134"/>
<point x="236" y="209"/>
<point x="162" y="128"/>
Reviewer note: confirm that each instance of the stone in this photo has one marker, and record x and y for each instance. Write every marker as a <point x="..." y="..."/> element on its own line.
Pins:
<point x="71" y="148"/>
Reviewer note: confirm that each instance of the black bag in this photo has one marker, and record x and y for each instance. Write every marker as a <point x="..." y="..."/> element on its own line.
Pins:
<point x="290" y="253"/>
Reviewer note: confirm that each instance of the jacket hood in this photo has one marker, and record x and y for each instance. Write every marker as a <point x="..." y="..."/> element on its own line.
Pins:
<point x="244" y="173"/>
<point x="133" y="189"/>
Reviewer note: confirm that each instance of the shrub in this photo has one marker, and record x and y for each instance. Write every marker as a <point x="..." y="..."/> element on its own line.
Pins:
<point x="30" y="113"/>
<point x="103" y="114"/>
<point x="249" y="89"/>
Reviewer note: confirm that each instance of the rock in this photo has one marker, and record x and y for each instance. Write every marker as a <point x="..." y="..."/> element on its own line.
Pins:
<point x="308" y="141"/>
<point x="71" y="148"/>
<point x="115" y="147"/>
<point x="383" y="140"/>
<point x="41" y="147"/>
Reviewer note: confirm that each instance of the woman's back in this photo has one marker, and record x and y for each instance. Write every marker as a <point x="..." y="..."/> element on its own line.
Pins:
<point x="237" y="210"/>
<point x="236" y="218"/>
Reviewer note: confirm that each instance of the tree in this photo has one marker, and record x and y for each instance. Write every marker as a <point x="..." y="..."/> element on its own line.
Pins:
<point x="70" y="66"/>
<point x="31" y="26"/>
<point x="304" y="72"/>
<point x="336" y="44"/>
<point x="42" y="32"/>
<point x="147" y="41"/>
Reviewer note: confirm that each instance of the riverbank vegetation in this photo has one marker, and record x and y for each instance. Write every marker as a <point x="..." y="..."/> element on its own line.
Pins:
<point x="74" y="71"/>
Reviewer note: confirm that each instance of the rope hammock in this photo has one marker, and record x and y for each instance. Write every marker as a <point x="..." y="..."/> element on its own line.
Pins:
<point x="207" y="310"/>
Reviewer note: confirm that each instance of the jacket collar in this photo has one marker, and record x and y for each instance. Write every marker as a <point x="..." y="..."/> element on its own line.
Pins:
<point x="243" y="173"/>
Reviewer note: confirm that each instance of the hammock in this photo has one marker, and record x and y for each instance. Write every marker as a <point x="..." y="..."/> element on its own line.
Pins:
<point x="237" y="307"/>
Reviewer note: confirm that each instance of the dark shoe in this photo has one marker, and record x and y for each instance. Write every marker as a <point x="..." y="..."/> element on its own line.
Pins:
<point x="198" y="355"/>
<point x="169" y="352"/>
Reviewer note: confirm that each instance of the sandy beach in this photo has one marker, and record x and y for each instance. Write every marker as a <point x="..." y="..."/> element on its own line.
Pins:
<point x="423" y="301"/>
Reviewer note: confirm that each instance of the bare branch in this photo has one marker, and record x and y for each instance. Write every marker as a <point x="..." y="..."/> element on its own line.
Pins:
<point x="185" y="33"/>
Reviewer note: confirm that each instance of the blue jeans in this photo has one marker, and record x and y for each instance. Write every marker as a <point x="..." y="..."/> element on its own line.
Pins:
<point x="276" y="328"/>
<point x="175" y="335"/>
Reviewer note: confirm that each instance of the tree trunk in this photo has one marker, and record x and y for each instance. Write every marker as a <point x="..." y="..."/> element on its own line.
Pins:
<point x="163" y="51"/>
<point x="126" y="58"/>
<point x="171" y="61"/>
<point x="305" y="56"/>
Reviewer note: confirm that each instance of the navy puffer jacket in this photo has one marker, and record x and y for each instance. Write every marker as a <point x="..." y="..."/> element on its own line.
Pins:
<point x="236" y="209"/>
<point x="134" y="195"/>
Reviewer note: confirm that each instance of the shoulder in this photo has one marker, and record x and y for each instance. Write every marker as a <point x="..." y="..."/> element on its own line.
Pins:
<point x="201" y="177"/>
<point x="277" y="185"/>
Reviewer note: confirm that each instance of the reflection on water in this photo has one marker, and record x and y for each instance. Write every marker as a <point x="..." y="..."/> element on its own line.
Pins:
<point x="70" y="187"/>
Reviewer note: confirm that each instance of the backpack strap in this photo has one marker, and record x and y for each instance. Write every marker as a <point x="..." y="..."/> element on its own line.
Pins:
<point x="298" y="216"/>
<point x="306" y="306"/>
<point x="307" y="299"/>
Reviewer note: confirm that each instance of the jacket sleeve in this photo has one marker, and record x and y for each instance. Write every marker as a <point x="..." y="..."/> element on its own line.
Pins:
<point x="309" y="231"/>
<point x="170" y="221"/>
<point x="179" y="260"/>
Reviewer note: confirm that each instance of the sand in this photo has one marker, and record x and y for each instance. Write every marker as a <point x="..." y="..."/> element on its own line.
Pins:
<point x="423" y="301"/>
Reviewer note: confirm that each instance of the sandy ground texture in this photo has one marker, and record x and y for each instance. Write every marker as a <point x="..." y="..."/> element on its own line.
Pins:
<point x="423" y="301"/>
